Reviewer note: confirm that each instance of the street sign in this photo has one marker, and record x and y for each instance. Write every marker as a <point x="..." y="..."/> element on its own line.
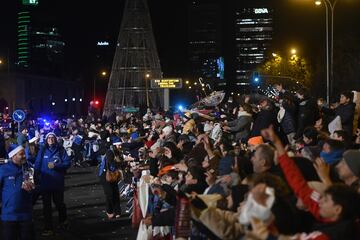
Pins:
<point x="19" y="115"/>
<point x="166" y="83"/>
<point x="130" y="110"/>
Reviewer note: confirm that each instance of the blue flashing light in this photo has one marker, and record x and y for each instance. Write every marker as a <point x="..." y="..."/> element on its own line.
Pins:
<point x="256" y="79"/>
<point x="180" y="107"/>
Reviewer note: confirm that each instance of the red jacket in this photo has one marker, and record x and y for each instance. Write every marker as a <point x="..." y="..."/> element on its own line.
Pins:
<point x="309" y="196"/>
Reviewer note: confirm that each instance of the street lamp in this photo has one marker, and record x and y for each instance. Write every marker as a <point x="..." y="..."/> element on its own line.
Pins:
<point x="1" y="62"/>
<point x="330" y="70"/>
<point x="274" y="55"/>
<point x="103" y="74"/>
<point x="293" y="51"/>
<point x="147" y="76"/>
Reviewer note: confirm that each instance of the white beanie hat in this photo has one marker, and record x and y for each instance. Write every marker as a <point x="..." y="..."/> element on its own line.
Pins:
<point x="49" y="134"/>
<point x="15" y="151"/>
<point x="167" y="130"/>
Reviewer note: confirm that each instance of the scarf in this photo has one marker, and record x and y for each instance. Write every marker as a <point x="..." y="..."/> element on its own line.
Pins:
<point x="332" y="157"/>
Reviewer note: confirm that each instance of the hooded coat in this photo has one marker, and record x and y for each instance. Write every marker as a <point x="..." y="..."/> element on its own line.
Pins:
<point x="52" y="179"/>
<point x="16" y="202"/>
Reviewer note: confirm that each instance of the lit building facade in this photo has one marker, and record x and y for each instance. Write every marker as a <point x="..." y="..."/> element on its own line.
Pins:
<point x="205" y="41"/>
<point x="40" y="49"/>
<point x="253" y="37"/>
<point x="47" y="51"/>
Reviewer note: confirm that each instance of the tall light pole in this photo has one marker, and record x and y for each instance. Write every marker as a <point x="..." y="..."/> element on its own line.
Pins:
<point x="147" y="76"/>
<point x="318" y="3"/>
<point x="329" y="5"/>
<point x="332" y="7"/>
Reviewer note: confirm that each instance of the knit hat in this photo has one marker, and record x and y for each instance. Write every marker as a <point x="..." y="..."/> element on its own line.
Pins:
<point x="50" y="134"/>
<point x="116" y="141"/>
<point x="256" y="141"/>
<point x="22" y="128"/>
<point x="165" y="170"/>
<point x="352" y="159"/>
<point x="14" y="149"/>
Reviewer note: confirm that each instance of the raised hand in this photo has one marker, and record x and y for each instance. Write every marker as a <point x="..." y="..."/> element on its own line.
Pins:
<point x="323" y="170"/>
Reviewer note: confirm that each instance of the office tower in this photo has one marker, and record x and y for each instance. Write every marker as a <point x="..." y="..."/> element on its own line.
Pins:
<point x="253" y="36"/>
<point x="205" y="41"/>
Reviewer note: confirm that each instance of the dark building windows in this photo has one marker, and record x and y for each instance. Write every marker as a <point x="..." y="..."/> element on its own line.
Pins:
<point x="205" y="41"/>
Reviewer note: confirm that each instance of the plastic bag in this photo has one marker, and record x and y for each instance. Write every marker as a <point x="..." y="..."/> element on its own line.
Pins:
<point x="144" y="232"/>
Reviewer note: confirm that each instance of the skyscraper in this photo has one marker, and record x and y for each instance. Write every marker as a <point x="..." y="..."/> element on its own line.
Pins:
<point x="46" y="51"/>
<point x="253" y="36"/>
<point x="40" y="48"/>
<point x="136" y="61"/>
<point x="24" y="20"/>
<point x="205" y="41"/>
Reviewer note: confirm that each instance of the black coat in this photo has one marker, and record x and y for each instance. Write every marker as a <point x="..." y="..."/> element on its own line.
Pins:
<point x="308" y="114"/>
<point x="288" y="124"/>
<point x="264" y="119"/>
<point x="346" y="113"/>
<point x="340" y="230"/>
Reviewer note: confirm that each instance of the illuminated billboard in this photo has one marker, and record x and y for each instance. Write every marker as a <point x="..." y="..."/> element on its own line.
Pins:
<point x="220" y="67"/>
<point x="30" y="2"/>
<point x="166" y="83"/>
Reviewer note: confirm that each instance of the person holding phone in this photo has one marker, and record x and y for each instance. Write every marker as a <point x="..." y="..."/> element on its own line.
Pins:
<point x="51" y="164"/>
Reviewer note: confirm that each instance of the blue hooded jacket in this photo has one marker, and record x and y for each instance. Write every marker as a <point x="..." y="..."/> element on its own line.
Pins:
<point x="16" y="202"/>
<point x="52" y="179"/>
<point x="105" y="164"/>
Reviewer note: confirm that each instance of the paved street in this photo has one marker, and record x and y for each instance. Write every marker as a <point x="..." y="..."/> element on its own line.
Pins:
<point x="85" y="202"/>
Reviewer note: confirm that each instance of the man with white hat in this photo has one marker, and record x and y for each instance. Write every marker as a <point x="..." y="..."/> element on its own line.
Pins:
<point x="51" y="163"/>
<point x="16" y="187"/>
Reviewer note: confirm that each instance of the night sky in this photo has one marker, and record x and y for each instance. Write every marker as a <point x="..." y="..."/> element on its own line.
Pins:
<point x="298" y="23"/>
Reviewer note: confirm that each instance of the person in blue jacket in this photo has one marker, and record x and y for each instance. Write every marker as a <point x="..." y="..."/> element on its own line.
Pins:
<point x="111" y="189"/>
<point x="31" y="150"/>
<point x="51" y="164"/>
<point x="16" y="185"/>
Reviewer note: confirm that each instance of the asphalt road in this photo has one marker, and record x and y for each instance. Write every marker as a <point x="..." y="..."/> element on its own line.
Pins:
<point x="85" y="201"/>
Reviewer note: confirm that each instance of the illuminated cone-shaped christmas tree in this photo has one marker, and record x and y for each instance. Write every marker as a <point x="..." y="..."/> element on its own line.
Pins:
<point x="136" y="61"/>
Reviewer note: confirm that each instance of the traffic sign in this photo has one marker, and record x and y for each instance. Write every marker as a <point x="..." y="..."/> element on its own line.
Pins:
<point x="166" y="83"/>
<point x="19" y="115"/>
